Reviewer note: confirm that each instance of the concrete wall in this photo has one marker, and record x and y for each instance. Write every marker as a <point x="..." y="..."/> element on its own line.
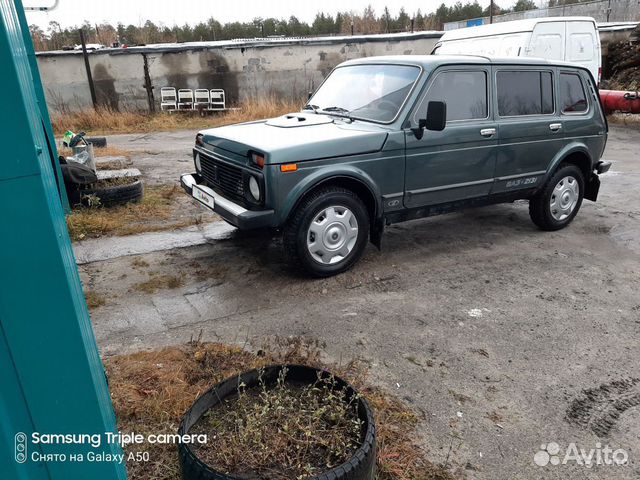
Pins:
<point x="620" y="11"/>
<point x="288" y="68"/>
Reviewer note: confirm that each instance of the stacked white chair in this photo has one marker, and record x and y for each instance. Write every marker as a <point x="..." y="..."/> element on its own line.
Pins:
<point x="185" y="99"/>
<point x="168" y="98"/>
<point x="188" y="99"/>
<point x="217" y="99"/>
<point x="202" y="99"/>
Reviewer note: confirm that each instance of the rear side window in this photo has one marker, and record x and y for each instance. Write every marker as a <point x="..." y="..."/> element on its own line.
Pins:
<point x="465" y="93"/>
<point x="572" y="96"/>
<point x="524" y="93"/>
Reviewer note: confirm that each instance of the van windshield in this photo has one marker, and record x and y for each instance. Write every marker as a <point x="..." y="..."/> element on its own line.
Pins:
<point x="365" y="92"/>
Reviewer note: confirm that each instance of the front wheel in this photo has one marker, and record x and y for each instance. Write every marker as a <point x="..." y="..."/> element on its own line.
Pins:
<point x="556" y="205"/>
<point x="328" y="232"/>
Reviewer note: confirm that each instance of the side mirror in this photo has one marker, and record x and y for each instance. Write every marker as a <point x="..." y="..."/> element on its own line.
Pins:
<point x="436" y="116"/>
<point x="309" y="96"/>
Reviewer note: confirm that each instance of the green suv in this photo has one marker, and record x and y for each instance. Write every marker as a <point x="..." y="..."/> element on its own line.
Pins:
<point x="388" y="139"/>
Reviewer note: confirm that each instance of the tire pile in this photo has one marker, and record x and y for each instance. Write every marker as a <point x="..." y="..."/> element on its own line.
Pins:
<point x="623" y="67"/>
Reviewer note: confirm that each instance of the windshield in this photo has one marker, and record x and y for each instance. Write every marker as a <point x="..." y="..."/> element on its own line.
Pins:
<point x="367" y="92"/>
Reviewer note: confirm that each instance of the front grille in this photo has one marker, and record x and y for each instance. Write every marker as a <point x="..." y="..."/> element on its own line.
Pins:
<point x="223" y="177"/>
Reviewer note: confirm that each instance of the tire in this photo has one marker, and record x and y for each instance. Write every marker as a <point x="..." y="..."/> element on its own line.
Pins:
<point x="298" y="230"/>
<point x="560" y="190"/>
<point x="109" y="196"/>
<point x="98" y="142"/>
<point x="362" y="464"/>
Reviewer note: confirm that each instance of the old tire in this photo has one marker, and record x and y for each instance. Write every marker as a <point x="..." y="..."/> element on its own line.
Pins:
<point x="328" y="232"/>
<point x="361" y="466"/>
<point x="109" y="196"/>
<point x="98" y="142"/>
<point x="558" y="202"/>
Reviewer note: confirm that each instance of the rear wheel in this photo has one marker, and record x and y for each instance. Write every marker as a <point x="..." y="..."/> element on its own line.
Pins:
<point x="556" y="205"/>
<point x="328" y="232"/>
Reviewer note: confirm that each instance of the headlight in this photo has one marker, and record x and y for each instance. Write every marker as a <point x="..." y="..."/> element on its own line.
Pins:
<point x="196" y="160"/>
<point x="254" y="188"/>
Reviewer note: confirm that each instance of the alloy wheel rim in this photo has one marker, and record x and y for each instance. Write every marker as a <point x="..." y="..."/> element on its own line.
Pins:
<point x="332" y="235"/>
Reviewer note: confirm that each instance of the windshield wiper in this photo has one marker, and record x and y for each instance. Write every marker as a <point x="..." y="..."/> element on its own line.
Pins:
<point x="336" y="109"/>
<point x="342" y="112"/>
<point x="309" y="106"/>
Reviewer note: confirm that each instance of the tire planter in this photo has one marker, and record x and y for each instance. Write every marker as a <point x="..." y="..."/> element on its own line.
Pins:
<point x="361" y="466"/>
<point x="109" y="196"/>
<point x="98" y="142"/>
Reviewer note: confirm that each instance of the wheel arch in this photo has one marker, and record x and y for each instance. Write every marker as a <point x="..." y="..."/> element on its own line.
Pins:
<point x="352" y="179"/>
<point x="576" y="154"/>
<point x="357" y="181"/>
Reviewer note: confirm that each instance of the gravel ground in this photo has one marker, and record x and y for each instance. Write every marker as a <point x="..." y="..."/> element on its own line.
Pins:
<point x="505" y="337"/>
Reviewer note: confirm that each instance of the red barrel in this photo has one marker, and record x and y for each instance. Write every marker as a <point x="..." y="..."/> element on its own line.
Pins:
<point x="620" y="101"/>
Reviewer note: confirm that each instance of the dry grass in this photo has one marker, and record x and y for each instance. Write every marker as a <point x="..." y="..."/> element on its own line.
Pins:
<point x="112" y="165"/>
<point x="94" y="300"/>
<point x="153" y="213"/>
<point x="110" y="151"/>
<point x="159" y="282"/>
<point x="281" y="431"/>
<point x="139" y="262"/>
<point x="152" y="390"/>
<point x="625" y="119"/>
<point x="103" y="121"/>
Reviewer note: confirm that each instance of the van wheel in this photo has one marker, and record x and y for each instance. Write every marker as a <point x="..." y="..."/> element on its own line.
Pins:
<point x="328" y="232"/>
<point x="555" y="206"/>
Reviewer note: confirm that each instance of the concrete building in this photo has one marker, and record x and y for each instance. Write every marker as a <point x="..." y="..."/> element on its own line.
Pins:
<point x="243" y="68"/>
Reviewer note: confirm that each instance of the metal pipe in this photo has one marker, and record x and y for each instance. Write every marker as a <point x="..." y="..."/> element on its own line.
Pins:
<point x="148" y="86"/>
<point x="87" y="66"/>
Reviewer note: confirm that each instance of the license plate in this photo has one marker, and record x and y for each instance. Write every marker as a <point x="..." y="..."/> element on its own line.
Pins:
<point x="203" y="197"/>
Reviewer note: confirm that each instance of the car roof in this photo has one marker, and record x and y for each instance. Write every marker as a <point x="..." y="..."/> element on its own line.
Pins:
<point x="429" y="62"/>
<point x="503" y="28"/>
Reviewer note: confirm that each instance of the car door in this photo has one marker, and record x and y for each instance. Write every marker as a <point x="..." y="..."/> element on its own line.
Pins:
<point x="530" y="126"/>
<point x="583" y="46"/>
<point x="458" y="162"/>
<point x="547" y="41"/>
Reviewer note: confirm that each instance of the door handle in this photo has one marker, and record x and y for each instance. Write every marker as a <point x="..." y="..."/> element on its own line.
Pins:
<point x="487" y="132"/>
<point x="554" y="127"/>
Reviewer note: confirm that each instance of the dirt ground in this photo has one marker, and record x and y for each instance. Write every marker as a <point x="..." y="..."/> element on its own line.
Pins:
<point x="506" y="338"/>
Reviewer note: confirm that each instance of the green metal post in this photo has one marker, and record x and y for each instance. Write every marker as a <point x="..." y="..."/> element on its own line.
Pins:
<point x="42" y="104"/>
<point x="51" y="376"/>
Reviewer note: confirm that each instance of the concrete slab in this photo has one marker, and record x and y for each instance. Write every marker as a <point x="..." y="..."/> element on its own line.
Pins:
<point x="124" y="172"/>
<point x="97" y="250"/>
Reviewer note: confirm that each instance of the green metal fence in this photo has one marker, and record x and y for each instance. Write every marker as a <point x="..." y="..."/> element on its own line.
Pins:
<point x="51" y="376"/>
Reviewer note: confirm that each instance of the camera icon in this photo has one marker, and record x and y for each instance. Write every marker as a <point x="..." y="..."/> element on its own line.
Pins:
<point x="21" y="447"/>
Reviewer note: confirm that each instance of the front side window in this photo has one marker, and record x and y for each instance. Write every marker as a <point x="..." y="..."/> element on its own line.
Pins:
<point x="524" y="93"/>
<point x="464" y="92"/>
<point x="572" y="96"/>
<point x="366" y="92"/>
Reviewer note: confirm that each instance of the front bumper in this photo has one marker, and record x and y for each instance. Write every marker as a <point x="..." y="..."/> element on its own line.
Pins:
<point x="235" y="214"/>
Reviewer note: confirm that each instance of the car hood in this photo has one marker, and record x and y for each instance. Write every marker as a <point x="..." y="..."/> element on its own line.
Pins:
<point x="297" y="137"/>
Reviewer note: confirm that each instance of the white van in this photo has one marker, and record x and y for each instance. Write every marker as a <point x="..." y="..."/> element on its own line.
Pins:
<point x="572" y="39"/>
